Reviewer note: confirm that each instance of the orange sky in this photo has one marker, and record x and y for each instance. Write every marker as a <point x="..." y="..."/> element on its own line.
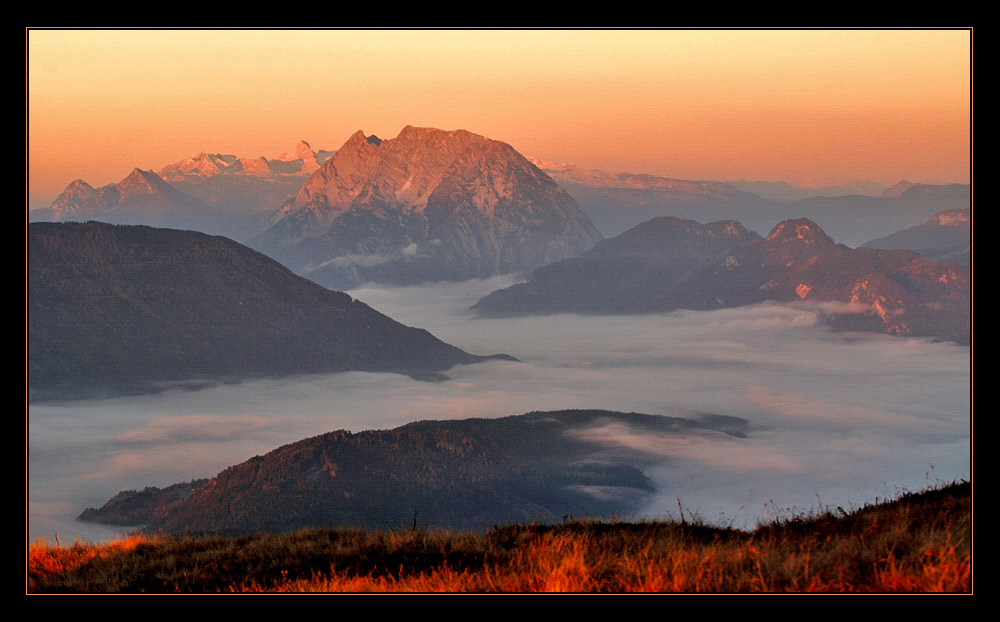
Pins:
<point x="813" y="105"/>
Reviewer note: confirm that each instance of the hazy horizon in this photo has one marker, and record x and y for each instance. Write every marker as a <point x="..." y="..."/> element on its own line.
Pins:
<point x="804" y="106"/>
<point x="835" y="418"/>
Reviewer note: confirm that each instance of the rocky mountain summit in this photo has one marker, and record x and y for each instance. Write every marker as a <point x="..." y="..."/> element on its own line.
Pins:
<point x="669" y="263"/>
<point x="428" y="205"/>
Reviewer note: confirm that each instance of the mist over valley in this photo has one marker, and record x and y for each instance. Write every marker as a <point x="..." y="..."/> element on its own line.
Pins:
<point x="765" y="405"/>
<point x="833" y="418"/>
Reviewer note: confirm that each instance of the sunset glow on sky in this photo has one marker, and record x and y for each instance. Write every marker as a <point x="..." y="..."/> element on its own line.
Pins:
<point x="812" y="106"/>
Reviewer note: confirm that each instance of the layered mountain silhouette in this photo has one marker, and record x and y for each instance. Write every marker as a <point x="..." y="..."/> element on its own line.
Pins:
<point x="142" y="194"/>
<point x="855" y="219"/>
<point x="618" y="202"/>
<point x="669" y="263"/>
<point x="946" y="236"/>
<point x="210" y="192"/>
<point x="301" y="161"/>
<point x="783" y="192"/>
<point x="472" y="474"/>
<point x="114" y="308"/>
<point x="428" y="205"/>
<point x="257" y="186"/>
<point x="241" y="197"/>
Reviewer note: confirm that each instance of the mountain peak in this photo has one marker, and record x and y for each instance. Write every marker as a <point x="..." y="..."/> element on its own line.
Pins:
<point x="302" y="152"/>
<point x="412" y="130"/>
<point x="359" y="139"/>
<point x="402" y="172"/>
<point x="78" y="185"/>
<point x="952" y="218"/>
<point x="897" y="189"/>
<point x="73" y="198"/>
<point x="139" y="178"/>
<point x="549" y="165"/>
<point x="135" y="178"/>
<point x="799" y="229"/>
<point x="441" y="202"/>
<point x="432" y="135"/>
<point x="140" y="183"/>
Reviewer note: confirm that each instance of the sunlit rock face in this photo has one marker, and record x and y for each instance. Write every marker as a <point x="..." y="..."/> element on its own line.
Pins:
<point x="428" y="205"/>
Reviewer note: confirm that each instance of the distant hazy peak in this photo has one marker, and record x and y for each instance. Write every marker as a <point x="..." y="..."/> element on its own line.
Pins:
<point x="302" y="160"/>
<point x="304" y="153"/>
<point x="78" y="185"/>
<point x="302" y="150"/>
<point x="952" y="218"/>
<point x="143" y="182"/>
<point x="898" y="189"/>
<point x="548" y="165"/>
<point x="139" y="175"/>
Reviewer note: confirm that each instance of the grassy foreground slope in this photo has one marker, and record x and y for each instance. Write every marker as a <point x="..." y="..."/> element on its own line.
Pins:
<point x="916" y="543"/>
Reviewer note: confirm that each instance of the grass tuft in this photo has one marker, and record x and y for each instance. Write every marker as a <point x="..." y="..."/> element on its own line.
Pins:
<point x="920" y="542"/>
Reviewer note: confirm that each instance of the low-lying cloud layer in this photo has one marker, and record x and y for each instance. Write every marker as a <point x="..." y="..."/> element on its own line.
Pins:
<point x="833" y="418"/>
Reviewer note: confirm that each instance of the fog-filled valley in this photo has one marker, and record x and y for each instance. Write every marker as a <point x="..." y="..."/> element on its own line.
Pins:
<point x="833" y="419"/>
<point x="609" y="310"/>
<point x="789" y="373"/>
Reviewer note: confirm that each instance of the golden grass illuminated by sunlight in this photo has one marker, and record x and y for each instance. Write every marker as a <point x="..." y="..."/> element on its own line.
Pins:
<point x="919" y="543"/>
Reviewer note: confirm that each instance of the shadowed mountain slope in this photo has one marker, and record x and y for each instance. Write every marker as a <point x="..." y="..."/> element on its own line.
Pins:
<point x="471" y="473"/>
<point x="669" y="263"/>
<point x="121" y="308"/>
<point x="946" y="236"/>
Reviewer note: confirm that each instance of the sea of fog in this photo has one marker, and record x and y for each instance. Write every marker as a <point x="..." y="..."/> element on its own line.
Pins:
<point x="836" y="419"/>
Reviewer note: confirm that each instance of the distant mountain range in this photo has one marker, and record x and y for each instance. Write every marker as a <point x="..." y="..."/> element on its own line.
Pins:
<point x="783" y="192"/>
<point x="470" y="474"/>
<point x="434" y="205"/>
<point x="114" y="308"/>
<point x="248" y="189"/>
<point x="855" y="219"/>
<point x="618" y="202"/>
<point x="669" y="263"/>
<point x="946" y="236"/>
<point x="301" y="162"/>
<point x="212" y="193"/>
<point x="428" y="205"/>
<point x="141" y="196"/>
